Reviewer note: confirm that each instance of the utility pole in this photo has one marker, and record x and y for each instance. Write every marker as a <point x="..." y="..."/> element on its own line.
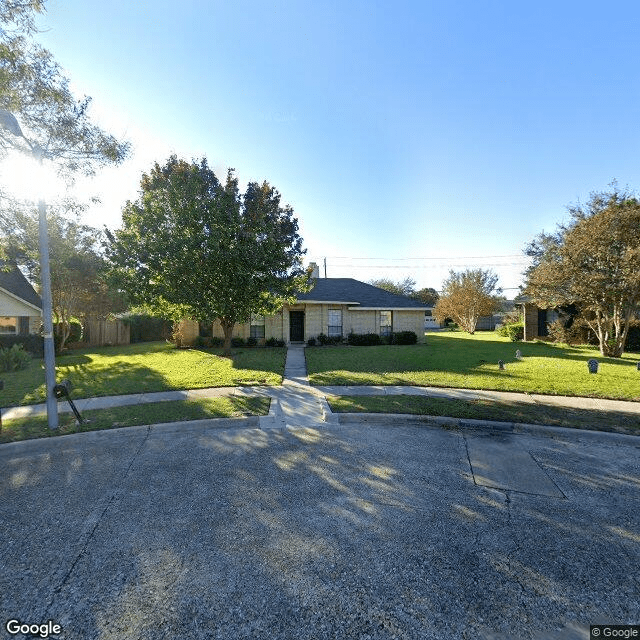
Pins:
<point x="9" y="122"/>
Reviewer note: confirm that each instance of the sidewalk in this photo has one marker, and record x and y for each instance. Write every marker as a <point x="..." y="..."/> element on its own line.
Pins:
<point x="297" y="403"/>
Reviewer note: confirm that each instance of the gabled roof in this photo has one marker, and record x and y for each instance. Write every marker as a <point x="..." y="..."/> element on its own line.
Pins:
<point x="15" y="283"/>
<point x="354" y="292"/>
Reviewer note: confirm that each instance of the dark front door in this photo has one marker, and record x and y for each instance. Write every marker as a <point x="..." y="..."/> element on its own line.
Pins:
<point x="542" y="323"/>
<point x="296" y="326"/>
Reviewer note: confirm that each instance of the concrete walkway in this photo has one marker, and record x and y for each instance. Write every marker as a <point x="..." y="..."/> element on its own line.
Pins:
<point x="297" y="403"/>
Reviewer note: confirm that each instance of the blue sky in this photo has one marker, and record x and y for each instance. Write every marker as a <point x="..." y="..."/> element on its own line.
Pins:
<point x="409" y="137"/>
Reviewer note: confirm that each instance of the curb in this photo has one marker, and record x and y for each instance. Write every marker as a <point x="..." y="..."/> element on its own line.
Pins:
<point x="140" y="431"/>
<point x="470" y="424"/>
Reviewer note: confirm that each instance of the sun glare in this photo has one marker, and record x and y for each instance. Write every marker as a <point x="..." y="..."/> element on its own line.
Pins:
<point x="25" y="179"/>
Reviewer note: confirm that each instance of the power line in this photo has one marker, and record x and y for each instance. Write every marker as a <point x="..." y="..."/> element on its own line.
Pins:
<point x="513" y="255"/>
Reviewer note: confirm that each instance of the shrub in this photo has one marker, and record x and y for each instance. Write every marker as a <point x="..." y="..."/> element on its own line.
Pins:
<point x="14" y="358"/>
<point x="34" y="344"/>
<point x="323" y="339"/>
<point x="576" y="332"/>
<point x="146" y="328"/>
<point x="311" y="342"/>
<point x="364" y="339"/>
<point x="280" y="343"/>
<point x="513" y="331"/>
<point x="252" y="342"/>
<point x="270" y="342"/>
<point x="404" y="337"/>
<point x="216" y="342"/>
<point x="633" y="338"/>
<point x="237" y="342"/>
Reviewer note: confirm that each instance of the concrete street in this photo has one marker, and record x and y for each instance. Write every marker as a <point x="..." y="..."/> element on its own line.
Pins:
<point x="346" y="531"/>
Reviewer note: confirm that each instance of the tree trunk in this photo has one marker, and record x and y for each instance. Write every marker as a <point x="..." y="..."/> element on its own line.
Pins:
<point x="227" y="327"/>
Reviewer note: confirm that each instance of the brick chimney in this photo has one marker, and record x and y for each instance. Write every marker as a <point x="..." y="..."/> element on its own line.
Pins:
<point x="315" y="273"/>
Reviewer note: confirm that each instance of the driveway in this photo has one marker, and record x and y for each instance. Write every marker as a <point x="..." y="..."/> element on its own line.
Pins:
<point x="345" y="531"/>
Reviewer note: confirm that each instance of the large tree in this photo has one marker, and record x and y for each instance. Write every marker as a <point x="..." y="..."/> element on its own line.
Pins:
<point x="79" y="287"/>
<point x="467" y="296"/>
<point x="404" y="287"/>
<point x="428" y="296"/>
<point x="592" y="262"/>
<point x="38" y="111"/>
<point x="197" y="246"/>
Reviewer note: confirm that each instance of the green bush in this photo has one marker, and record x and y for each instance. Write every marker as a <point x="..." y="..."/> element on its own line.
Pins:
<point x="14" y="358"/>
<point x="252" y="342"/>
<point x="146" y="328"/>
<point x="513" y="331"/>
<point x="270" y="342"/>
<point x="311" y="342"/>
<point x="237" y="342"/>
<point x="216" y="342"/>
<point x="280" y="343"/>
<point x="34" y="344"/>
<point x="404" y="337"/>
<point x="364" y="339"/>
<point x="633" y="338"/>
<point x="75" y="333"/>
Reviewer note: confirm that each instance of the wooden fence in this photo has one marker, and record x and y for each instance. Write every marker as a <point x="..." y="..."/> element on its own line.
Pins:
<point x="100" y="333"/>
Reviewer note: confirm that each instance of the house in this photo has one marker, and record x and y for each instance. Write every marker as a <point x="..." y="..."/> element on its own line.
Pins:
<point x="20" y="305"/>
<point x="536" y="320"/>
<point x="334" y="307"/>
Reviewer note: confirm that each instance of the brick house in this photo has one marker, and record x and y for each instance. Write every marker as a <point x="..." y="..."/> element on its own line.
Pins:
<point x="536" y="319"/>
<point x="20" y="305"/>
<point x="335" y="307"/>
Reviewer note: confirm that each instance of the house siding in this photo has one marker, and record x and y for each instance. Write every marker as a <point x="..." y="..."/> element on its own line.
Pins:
<point x="316" y="318"/>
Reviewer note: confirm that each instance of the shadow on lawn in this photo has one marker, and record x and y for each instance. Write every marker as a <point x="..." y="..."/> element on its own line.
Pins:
<point x="87" y="382"/>
<point x="260" y="359"/>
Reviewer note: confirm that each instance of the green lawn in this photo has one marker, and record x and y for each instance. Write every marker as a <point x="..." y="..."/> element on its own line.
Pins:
<point x="620" y="422"/>
<point x="141" y="414"/>
<point x="145" y="367"/>
<point x="456" y="359"/>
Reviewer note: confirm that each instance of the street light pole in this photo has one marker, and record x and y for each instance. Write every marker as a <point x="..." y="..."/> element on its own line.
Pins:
<point x="9" y="122"/>
<point x="47" y="310"/>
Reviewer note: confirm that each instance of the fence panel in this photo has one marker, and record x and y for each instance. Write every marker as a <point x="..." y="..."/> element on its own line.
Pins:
<point x="100" y="333"/>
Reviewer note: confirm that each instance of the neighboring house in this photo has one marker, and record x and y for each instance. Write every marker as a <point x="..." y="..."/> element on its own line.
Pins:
<point x="334" y="307"/>
<point x="429" y="320"/>
<point x="536" y="320"/>
<point x="489" y="323"/>
<point x="20" y="305"/>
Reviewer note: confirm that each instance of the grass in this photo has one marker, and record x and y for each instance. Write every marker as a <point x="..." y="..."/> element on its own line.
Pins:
<point x="141" y="414"/>
<point x="145" y="367"/>
<point x="456" y="359"/>
<point x="619" y="422"/>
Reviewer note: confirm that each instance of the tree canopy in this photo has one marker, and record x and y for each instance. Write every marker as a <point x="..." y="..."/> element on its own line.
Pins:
<point x="467" y="296"/>
<point x="404" y="287"/>
<point x="79" y="288"/>
<point x="428" y="296"/>
<point x="200" y="248"/>
<point x="35" y="99"/>
<point x="592" y="262"/>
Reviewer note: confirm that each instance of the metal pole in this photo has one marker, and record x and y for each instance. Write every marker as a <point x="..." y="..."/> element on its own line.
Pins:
<point x="47" y="312"/>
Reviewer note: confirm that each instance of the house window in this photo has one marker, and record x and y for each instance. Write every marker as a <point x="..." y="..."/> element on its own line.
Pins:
<point x="256" y="330"/>
<point x="334" y="322"/>
<point x="428" y="314"/>
<point x="385" y="323"/>
<point x="8" y="325"/>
